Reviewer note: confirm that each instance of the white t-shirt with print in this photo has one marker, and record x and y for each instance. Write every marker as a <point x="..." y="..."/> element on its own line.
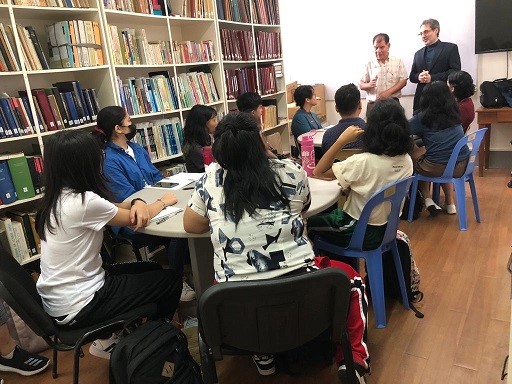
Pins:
<point x="271" y="243"/>
<point x="366" y="174"/>
<point x="71" y="271"/>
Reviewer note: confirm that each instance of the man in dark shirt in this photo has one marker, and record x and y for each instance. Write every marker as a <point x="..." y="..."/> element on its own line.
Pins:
<point x="433" y="62"/>
<point x="348" y="104"/>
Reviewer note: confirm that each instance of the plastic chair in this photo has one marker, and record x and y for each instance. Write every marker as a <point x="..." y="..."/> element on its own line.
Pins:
<point x="18" y="290"/>
<point x="271" y="316"/>
<point x="472" y="140"/>
<point x="393" y="194"/>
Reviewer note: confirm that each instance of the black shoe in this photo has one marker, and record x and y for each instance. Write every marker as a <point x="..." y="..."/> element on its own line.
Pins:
<point x="434" y="210"/>
<point x="343" y="378"/>
<point x="24" y="363"/>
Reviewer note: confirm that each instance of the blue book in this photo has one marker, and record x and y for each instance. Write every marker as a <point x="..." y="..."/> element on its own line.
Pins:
<point x="7" y="190"/>
<point x="70" y="103"/>
<point x="26" y="104"/>
<point x="8" y="113"/>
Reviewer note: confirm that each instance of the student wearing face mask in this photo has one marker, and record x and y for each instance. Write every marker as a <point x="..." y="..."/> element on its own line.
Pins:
<point x="128" y="168"/>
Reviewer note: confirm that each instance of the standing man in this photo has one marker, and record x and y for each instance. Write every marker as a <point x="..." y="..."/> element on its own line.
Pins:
<point x="433" y="62"/>
<point x="385" y="75"/>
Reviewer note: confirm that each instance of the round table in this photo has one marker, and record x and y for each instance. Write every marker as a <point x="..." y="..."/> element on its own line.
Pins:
<point x="318" y="135"/>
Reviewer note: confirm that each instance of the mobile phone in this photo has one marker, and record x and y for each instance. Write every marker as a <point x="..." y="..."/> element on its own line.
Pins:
<point x="165" y="184"/>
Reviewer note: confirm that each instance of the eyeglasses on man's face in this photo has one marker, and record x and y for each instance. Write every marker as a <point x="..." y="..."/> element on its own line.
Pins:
<point x="425" y="32"/>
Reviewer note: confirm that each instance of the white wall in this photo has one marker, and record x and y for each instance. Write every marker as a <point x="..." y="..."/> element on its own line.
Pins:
<point x="329" y="42"/>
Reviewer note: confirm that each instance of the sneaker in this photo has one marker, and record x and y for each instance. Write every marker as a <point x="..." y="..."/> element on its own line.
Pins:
<point x="432" y="207"/>
<point x="23" y="362"/>
<point x="342" y="376"/>
<point x="265" y="364"/>
<point x="451" y="209"/>
<point x="103" y="347"/>
<point x="190" y="322"/>
<point x="187" y="293"/>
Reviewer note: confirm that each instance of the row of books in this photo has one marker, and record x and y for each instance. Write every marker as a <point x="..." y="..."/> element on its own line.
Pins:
<point x="234" y="10"/>
<point x="269" y="114"/>
<point x="9" y="59"/>
<point x="237" y="45"/>
<point x="197" y="87"/>
<point x="268" y="45"/>
<point x="148" y="7"/>
<point x="18" y="234"/>
<point x="239" y="81"/>
<point x="161" y="138"/>
<point x="156" y="93"/>
<point x="267" y="77"/>
<point x="194" y="52"/>
<point x="54" y="3"/>
<point x="131" y="47"/>
<point x="20" y="177"/>
<point x="195" y="8"/>
<point x="74" y="44"/>
<point x="265" y="12"/>
<point x="15" y="116"/>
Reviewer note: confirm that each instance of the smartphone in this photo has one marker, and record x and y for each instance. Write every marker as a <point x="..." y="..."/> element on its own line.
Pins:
<point x="165" y="184"/>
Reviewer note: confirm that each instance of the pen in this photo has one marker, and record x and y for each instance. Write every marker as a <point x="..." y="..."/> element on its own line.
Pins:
<point x="188" y="188"/>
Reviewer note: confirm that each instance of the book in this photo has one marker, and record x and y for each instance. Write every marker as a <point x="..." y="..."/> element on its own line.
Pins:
<point x="37" y="46"/>
<point x="61" y="106"/>
<point x="24" y="219"/>
<point x="53" y="106"/>
<point x="20" y="175"/>
<point x="9" y="117"/>
<point x="7" y="190"/>
<point x="36" y="172"/>
<point x="8" y="238"/>
<point x="24" y="252"/>
<point x="45" y="107"/>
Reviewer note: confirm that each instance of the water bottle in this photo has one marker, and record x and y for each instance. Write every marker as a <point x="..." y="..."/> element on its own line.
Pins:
<point x="207" y="156"/>
<point x="307" y="153"/>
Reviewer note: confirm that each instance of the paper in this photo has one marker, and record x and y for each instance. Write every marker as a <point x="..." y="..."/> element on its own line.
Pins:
<point x="166" y="212"/>
<point x="183" y="179"/>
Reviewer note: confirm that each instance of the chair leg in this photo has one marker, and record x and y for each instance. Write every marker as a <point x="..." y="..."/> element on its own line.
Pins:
<point x="400" y="275"/>
<point x="374" y="270"/>
<point x="412" y="201"/>
<point x="54" y="363"/>
<point x="76" y="363"/>
<point x="207" y="363"/>
<point x="436" y="192"/>
<point x="474" y="197"/>
<point x="460" y="201"/>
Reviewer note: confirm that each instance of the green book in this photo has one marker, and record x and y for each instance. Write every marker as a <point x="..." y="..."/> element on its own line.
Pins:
<point x="20" y="175"/>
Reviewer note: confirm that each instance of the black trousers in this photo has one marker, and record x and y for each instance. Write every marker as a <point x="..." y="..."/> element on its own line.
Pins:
<point x="122" y="293"/>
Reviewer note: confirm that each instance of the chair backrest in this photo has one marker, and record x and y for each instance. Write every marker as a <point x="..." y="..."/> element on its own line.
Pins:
<point x="274" y="315"/>
<point x="473" y="141"/>
<point x="18" y="289"/>
<point x="393" y="193"/>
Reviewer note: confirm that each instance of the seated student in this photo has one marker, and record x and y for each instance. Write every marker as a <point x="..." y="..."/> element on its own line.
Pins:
<point x="128" y="168"/>
<point x="200" y="123"/>
<point x="251" y="103"/>
<point x="348" y="104"/>
<point x="438" y="125"/>
<point x="13" y="358"/>
<point x="385" y="159"/>
<point x="462" y="86"/>
<point x="304" y="120"/>
<point x="246" y="191"/>
<point x="73" y="211"/>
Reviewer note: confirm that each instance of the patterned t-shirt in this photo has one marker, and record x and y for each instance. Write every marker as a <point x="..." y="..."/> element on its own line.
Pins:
<point x="267" y="245"/>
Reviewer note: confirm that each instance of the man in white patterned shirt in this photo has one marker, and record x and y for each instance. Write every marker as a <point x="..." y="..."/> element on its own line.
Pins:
<point x="385" y="75"/>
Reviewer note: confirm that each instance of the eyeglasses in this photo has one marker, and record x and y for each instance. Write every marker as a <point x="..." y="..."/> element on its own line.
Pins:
<point x="425" y="32"/>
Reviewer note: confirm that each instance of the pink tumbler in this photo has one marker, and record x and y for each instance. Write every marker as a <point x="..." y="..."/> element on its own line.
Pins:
<point x="307" y="153"/>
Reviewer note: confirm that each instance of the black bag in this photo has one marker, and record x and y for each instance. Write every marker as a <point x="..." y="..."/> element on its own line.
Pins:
<point x="154" y="353"/>
<point x="418" y="205"/>
<point x="505" y="87"/>
<point x="410" y="270"/>
<point x="490" y="95"/>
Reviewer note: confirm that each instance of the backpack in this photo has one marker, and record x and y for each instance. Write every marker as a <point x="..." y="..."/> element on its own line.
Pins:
<point x="410" y="270"/>
<point x="505" y="87"/>
<point x="490" y="95"/>
<point x="154" y="353"/>
<point x="418" y="205"/>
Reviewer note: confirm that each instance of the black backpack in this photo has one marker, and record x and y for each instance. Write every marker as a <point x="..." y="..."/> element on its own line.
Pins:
<point x="505" y="87"/>
<point x="418" y="205"/>
<point x="490" y="95"/>
<point x="154" y="353"/>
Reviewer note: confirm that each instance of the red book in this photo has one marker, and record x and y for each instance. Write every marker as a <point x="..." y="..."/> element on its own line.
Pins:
<point x="46" y="110"/>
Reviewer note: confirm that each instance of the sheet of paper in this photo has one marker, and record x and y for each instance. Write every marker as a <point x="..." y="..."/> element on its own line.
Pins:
<point x="166" y="212"/>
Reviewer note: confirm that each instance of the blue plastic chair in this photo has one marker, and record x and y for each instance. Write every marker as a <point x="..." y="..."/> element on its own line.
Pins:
<point x="393" y="194"/>
<point x="472" y="140"/>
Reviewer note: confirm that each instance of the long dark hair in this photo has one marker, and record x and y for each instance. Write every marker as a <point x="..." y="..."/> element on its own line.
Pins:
<point x="387" y="130"/>
<point x="250" y="182"/>
<point x="195" y="130"/>
<point x="72" y="160"/>
<point x="438" y="108"/>
<point x="462" y="84"/>
<point x="106" y="121"/>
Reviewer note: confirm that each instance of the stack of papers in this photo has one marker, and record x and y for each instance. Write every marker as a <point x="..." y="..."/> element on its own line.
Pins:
<point x="166" y="213"/>
<point x="183" y="179"/>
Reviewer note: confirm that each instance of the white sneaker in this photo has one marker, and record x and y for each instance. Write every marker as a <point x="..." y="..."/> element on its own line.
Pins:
<point x="187" y="293"/>
<point x="103" y="347"/>
<point x="265" y="364"/>
<point x="451" y="209"/>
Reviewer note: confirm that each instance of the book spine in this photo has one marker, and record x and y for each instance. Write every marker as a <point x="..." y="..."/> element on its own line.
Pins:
<point x="7" y="190"/>
<point x="21" y="179"/>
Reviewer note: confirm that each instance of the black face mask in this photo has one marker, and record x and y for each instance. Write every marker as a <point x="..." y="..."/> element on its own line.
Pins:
<point x="133" y="131"/>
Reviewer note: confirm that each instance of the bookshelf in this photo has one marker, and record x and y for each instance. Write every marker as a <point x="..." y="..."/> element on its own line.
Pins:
<point x="157" y="59"/>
